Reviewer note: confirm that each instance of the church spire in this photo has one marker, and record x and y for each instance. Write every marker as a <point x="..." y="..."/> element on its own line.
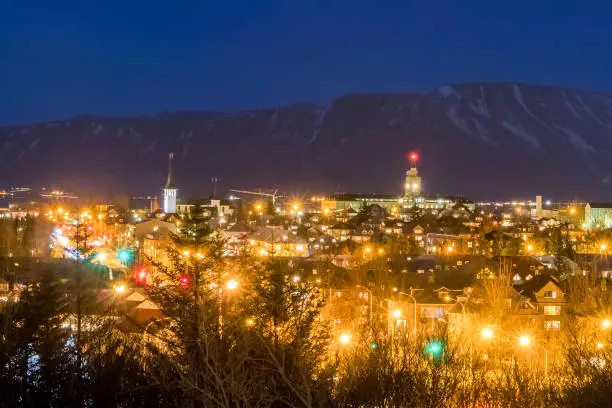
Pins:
<point x="170" y="181"/>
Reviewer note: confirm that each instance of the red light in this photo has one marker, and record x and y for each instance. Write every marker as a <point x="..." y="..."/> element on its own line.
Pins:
<point x="142" y="275"/>
<point x="184" y="280"/>
<point x="414" y="156"/>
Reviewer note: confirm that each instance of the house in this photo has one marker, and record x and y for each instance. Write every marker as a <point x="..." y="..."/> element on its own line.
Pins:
<point x="143" y="228"/>
<point x="276" y="241"/>
<point x="543" y="295"/>
<point x="598" y="215"/>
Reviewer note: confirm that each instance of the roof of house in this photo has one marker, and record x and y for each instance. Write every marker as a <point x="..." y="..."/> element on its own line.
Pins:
<point x="600" y="205"/>
<point x="531" y="287"/>
<point x="273" y="235"/>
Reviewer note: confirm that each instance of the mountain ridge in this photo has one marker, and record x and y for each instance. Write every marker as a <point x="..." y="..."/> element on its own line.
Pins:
<point x="486" y="140"/>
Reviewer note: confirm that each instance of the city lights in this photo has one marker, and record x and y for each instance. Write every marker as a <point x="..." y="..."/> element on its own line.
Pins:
<point x="345" y="338"/>
<point x="487" y="333"/>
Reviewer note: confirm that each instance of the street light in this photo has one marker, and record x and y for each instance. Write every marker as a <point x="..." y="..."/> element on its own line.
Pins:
<point x="397" y="313"/>
<point x="345" y="338"/>
<point x="487" y="333"/>
<point x="231" y="284"/>
<point x="119" y="289"/>
<point x="605" y="324"/>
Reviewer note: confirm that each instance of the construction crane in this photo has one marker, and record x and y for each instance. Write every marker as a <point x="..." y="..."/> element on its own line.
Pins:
<point x="273" y="195"/>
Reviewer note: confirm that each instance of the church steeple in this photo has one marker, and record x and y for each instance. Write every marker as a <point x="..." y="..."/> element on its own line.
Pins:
<point x="170" y="181"/>
<point x="170" y="189"/>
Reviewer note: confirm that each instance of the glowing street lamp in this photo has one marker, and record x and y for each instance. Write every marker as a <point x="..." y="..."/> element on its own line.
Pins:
<point x="397" y="313"/>
<point x="603" y="247"/>
<point x="119" y="289"/>
<point x="606" y="324"/>
<point x="345" y="338"/>
<point x="487" y="333"/>
<point x="524" y="341"/>
<point x="231" y="284"/>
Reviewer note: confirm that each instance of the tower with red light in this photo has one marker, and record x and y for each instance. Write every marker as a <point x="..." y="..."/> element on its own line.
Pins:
<point x="412" y="184"/>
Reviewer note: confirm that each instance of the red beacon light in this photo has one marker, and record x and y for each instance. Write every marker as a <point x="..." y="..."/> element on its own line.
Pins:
<point x="413" y="156"/>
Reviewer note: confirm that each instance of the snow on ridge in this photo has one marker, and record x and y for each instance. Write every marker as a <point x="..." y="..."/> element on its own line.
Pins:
<point x="576" y="140"/>
<point x="518" y="95"/>
<point x="483" y="132"/>
<point x="148" y="149"/>
<point x="446" y="91"/>
<point x="568" y="103"/>
<point x="463" y="124"/>
<point x="320" y="115"/>
<point x="30" y="147"/>
<point x="584" y="108"/>
<point x="518" y="130"/>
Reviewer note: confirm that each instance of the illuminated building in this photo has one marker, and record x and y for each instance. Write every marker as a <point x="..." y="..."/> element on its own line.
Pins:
<point x="170" y="189"/>
<point x="412" y="185"/>
<point x="598" y="215"/>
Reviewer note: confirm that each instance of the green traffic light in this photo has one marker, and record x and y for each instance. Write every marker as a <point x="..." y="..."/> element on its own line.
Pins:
<point x="373" y="345"/>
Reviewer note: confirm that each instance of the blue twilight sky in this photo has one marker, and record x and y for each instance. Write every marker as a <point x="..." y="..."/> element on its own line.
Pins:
<point x="60" y="57"/>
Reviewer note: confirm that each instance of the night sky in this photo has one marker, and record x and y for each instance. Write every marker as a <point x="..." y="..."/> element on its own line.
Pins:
<point x="62" y="58"/>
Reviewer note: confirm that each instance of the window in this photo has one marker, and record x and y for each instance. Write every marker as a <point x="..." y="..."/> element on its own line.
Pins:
<point x="552" y="310"/>
<point x="550" y="294"/>
<point x="552" y="325"/>
<point x="401" y="324"/>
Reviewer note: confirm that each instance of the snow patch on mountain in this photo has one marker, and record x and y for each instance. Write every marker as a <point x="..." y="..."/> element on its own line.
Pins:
<point x="461" y="123"/>
<point x="518" y="95"/>
<point x="483" y="132"/>
<point x="569" y="105"/>
<point x="576" y="140"/>
<point x="584" y="108"/>
<point x="30" y="147"/>
<point x="447" y="91"/>
<point x="519" y="131"/>
<point x="320" y="115"/>
<point x="148" y="149"/>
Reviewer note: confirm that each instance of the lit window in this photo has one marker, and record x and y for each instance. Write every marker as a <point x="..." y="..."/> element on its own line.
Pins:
<point x="552" y="310"/>
<point x="550" y="294"/>
<point x="552" y="325"/>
